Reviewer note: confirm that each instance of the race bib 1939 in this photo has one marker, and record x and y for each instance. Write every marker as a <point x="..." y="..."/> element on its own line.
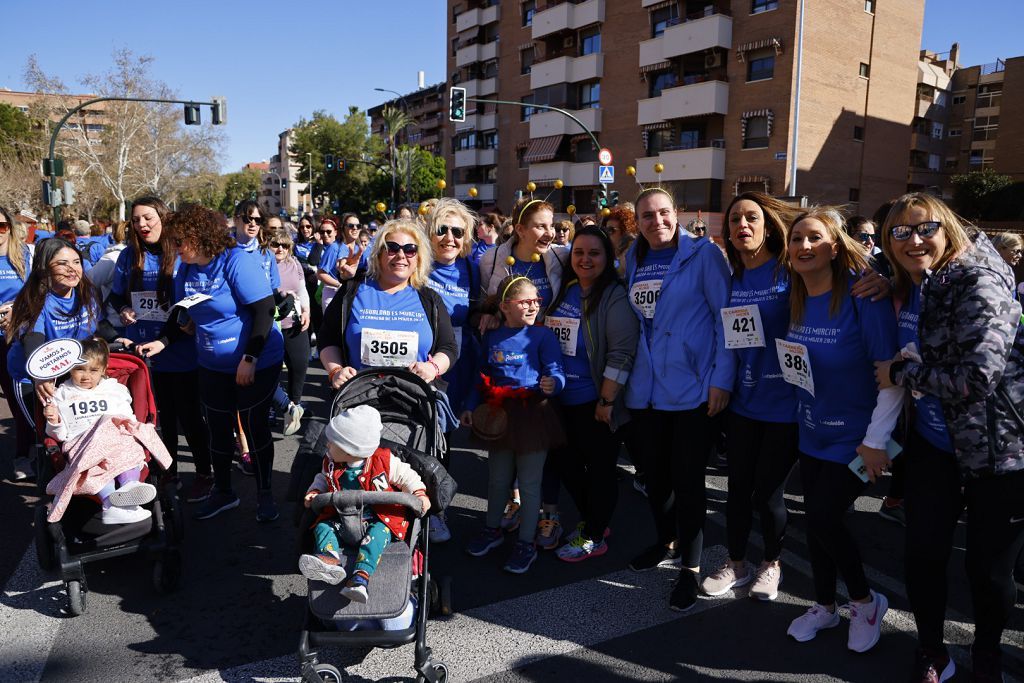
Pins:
<point x="743" y="328"/>
<point x="645" y="296"/>
<point x="147" y="307"/>
<point x="567" y="331"/>
<point x="796" y="364"/>
<point x="388" y="348"/>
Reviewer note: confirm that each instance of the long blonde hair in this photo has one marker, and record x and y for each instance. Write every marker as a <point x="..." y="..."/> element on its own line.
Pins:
<point x="424" y="260"/>
<point x="15" y="245"/>
<point x="849" y="259"/>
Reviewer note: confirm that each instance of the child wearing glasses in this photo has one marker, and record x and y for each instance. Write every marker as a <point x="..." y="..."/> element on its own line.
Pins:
<point x="522" y="368"/>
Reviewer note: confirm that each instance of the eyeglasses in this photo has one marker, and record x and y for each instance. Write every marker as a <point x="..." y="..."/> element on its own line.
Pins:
<point x="281" y="245"/>
<point x="866" y="237"/>
<point x="457" y="233"/>
<point x="407" y="249"/>
<point x="925" y="229"/>
<point x="253" y="219"/>
<point x="1015" y="252"/>
<point x="526" y="303"/>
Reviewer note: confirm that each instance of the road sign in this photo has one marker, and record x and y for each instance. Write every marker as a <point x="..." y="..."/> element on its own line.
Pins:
<point x="605" y="156"/>
<point x="780" y="156"/>
<point x="606" y="175"/>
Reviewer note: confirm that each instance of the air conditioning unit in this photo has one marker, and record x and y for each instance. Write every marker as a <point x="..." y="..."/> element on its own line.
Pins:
<point x="712" y="60"/>
<point x="569" y="41"/>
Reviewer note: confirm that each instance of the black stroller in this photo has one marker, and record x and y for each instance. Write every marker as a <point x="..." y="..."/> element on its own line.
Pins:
<point x="411" y="430"/>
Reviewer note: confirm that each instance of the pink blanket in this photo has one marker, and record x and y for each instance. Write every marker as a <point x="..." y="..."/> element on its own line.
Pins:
<point x="114" y="445"/>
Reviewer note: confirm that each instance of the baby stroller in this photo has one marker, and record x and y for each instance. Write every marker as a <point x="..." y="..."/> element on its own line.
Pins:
<point x="409" y="414"/>
<point x="81" y="536"/>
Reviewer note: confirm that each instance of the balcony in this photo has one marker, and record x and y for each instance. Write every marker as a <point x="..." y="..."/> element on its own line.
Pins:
<point x="478" y="122"/>
<point x="926" y="109"/>
<point x="566" y="70"/>
<point x="547" y="123"/>
<point x="476" y="17"/>
<point x="567" y="16"/>
<point x="480" y="87"/>
<point x="683" y="164"/>
<point x="926" y="143"/>
<point x="476" y="157"/>
<point x="699" y="99"/>
<point x="476" y="52"/>
<point x="573" y="175"/>
<point x="485" y="192"/>
<point x="691" y="36"/>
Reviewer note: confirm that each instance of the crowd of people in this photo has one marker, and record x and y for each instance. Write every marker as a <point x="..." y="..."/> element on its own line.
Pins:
<point x="797" y="336"/>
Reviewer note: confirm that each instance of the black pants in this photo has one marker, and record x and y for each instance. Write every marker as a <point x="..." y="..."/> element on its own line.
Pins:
<point x="761" y="456"/>
<point x="296" y="357"/>
<point x="224" y="403"/>
<point x="24" y="433"/>
<point x="934" y="501"/>
<point x="177" y="395"/>
<point x="587" y="467"/>
<point x="675" y="447"/>
<point x="898" y="480"/>
<point x="829" y="489"/>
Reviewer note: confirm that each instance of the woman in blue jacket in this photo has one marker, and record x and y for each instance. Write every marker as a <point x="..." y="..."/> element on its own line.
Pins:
<point x="677" y="288"/>
<point x="15" y="263"/>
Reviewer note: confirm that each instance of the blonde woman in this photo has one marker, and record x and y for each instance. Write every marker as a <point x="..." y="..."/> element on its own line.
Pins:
<point x="15" y="264"/>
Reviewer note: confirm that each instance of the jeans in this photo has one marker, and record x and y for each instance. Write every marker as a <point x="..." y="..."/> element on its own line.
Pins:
<point x="502" y="469"/>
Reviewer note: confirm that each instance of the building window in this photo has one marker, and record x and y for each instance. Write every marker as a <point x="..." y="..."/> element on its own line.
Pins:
<point x="489" y="140"/>
<point x="584" y="152"/>
<point x="950" y="162"/>
<point x="985" y="128"/>
<point x="941" y="98"/>
<point x="490" y="69"/>
<point x="937" y="130"/>
<point x="658" y="141"/>
<point x="590" y="96"/>
<point x="954" y="132"/>
<point x="756" y="134"/>
<point x="854" y="194"/>
<point x="661" y="81"/>
<point x="521" y="156"/>
<point x="464" y="141"/>
<point x="959" y="99"/>
<point x="590" y="41"/>
<point x="865" y="70"/>
<point x="529" y="9"/>
<point x="761" y="68"/>
<point x="869" y="6"/>
<point x="526" y="112"/>
<point x="758" y="6"/>
<point x="689" y="138"/>
<point x="662" y="18"/>
<point x="455" y="46"/>
<point x="989" y="95"/>
<point x="526" y="60"/>
<point x="858" y="133"/>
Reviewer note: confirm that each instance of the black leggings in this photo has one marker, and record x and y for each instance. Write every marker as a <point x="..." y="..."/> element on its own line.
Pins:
<point x="675" y="447"/>
<point x="296" y="357"/>
<point x="933" y="504"/>
<point x="587" y="467"/>
<point x="222" y="400"/>
<point x="829" y="489"/>
<point x="761" y="456"/>
<point x="176" y="398"/>
<point x="24" y="433"/>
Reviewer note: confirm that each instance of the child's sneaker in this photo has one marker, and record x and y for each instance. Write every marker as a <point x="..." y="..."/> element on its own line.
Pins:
<point x="439" y="531"/>
<point x="815" y="619"/>
<point x="322" y="567"/>
<point x="24" y="468"/>
<point x="579" y="530"/>
<point x="549" y="531"/>
<point x="523" y="555"/>
<point x="486" y="540"/>
<point x="246" y="466"/>
<point x="581" y="548"/>
<point x="355" y="587"/>
<point x="510" y="518"/>
<point x="125" y="515"/>
<point x="132" y="494"/>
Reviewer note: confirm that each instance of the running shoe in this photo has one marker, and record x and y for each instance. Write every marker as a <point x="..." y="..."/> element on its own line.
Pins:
<point x="266" y="509"/>
<point x="579" y="530"/>
<point x="293" y="418"/>
<point x="766" y="583"/>
<point x="24" y="468"/>
<point x="356" y="587"/>
<point x="322" y="567"/>
<point x="245" y="465"/>
<point x="866" y="622"/>
<point x="581" y="548"/>
<point x="199" y="489"/>
<point x="486" y="540"/>
<point x="684" y="593"/>
<point x="932" y="667"/>
<point x="523" y="555"/>
<point x="549" y="532"/>
<point x="894" y="513"/>
<point x="132" y="494"/>
<point x="125" y="515"/>
<point x="510" y="518"/>
<point x="815" y="619"/>
<point x="727" y="578"/>
<point x="439" y="531"/>
<point x="216" y="503"/>
<point x="658" y="555"/>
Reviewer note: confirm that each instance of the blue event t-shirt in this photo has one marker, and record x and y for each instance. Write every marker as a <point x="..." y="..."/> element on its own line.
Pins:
<point x="54" y="322"/>
<point x="646" y="288"/>
<point x="266" y="260"/>
<point x="928" y="418"/>
<point x="479" y="249"/>
<point x="518" y="357"/>
<point x="336" y="250"/>
<point x="234" y="279"/>
<point x="376" y="318"/>
<point x="760" y="392"/>
<point x="10" y="282"/>
<point x="568" y="325"/>
<point x="180" y="356"/>
<point x="453" y="283"/>
<point x="842" y="353"/>
<point x="539" y="276"/>
<point x="302" y="250"/>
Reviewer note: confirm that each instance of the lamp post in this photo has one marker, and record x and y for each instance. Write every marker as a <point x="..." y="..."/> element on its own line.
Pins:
<point x="309" y="166"/>
<point x="408" y="166"/>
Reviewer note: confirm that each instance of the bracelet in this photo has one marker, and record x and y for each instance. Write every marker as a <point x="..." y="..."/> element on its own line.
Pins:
<point x="332" y="373"/>
<point x="437" y="370"/>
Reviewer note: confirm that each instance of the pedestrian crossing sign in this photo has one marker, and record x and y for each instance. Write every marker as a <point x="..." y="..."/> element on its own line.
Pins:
<point x="606" y="174"/>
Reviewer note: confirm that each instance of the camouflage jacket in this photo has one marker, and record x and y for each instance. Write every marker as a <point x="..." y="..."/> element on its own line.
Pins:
<point x="972" y="348"/>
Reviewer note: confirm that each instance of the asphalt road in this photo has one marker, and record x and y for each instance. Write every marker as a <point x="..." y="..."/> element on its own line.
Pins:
<point x="238" y="613"/>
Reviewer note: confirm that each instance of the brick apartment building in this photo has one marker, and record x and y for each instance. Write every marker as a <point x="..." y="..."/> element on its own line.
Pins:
<point x="708" y="89"/>
<point x="425" y="107"/>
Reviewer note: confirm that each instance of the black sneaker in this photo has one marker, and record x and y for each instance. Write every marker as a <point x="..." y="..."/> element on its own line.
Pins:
<point x="657" y="555"/>
<point x="266" y="509"/>
<point x="218" y="502"/>
<point x="684" y="593"/>
<point x="932" y="667"/>
<point x="988" y="666"/>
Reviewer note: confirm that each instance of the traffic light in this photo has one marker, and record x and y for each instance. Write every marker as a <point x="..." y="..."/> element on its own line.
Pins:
<point x="342" y="165"/>
<point x="219" y="110"/>
<point x="602" y="198"/>
<point x="329" y="162"/>
<point x="69" y="192"/>
<point x="613" y="196"/>
<point x="191" y="114"/>
<point x="457" y="100"/>
<point x="284" y="183"/>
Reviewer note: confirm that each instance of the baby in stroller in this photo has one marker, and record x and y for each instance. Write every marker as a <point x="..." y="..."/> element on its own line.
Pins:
<point x="354" y="461"/>
<point x="105" y="459"/>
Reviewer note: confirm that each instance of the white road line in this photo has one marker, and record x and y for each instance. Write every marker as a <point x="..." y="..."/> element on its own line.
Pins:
<point x="30" y="617"/>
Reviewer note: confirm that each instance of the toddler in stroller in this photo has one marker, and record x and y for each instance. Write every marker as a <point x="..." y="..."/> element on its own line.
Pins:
<point x="355" y="461"/>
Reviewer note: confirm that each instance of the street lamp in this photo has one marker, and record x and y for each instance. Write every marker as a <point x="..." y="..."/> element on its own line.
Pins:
<point x="408" y="166"/>
<point x="309" y="165"/>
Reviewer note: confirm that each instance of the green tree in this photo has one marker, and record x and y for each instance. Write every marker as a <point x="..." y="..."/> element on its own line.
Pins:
<point x="238" y="187"/>
<point x="21" y="148"/>
<point x="347" y="140"/>
<point x="427" y="169"/>
<point x="973" y="191"/>
<point x="205" y="189"/>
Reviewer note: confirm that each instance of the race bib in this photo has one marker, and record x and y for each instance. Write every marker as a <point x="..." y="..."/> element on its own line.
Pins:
<point x="743" y="328"/>
<point x="795" y="364"/>
<point x="567" y="331"/>
<point x="147" y="307"/>
<point x="645" y="296"/>
<point x="192" y="300"/>
<point x="388" y="348"/>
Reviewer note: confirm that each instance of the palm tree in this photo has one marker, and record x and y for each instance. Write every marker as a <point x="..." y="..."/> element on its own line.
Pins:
<point x="395" y="120"/>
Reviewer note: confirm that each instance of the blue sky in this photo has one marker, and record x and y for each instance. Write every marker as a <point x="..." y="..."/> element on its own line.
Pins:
<point x="279" y="61"/>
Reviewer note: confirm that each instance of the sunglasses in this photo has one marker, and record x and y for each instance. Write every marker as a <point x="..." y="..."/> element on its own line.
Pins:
<point x="4" y="227"/>
<point x="457" y="233"/>
<point x="351" y="226"/>
<point x="865" y="237"/>
<point x="526" y="303"/>
<point x="281" y="245"/>
<point x="562" y="229"/>
<point x="407" y="249"/>
<point x="326" y="232"/>
<point x="925" y="229"/>
<point x="253" y="219"/>
<point x="699" y="231"/>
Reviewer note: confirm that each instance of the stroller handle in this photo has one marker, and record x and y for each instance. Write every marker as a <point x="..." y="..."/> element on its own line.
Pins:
<point x="358" y="499"/>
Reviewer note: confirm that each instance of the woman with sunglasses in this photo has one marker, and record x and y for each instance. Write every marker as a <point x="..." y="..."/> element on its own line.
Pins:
<point x="345" y="247"/>
<point x="305" y="238"/>
<point x="862" y="229"/>
<point x="293" y="328"/>
<point x="563" y="232"/>
<point x="142" y="293"/>
<point x="231" y="307"/>
<point x="251" y="237"/>
<point x="387" y="316"/>
<point x="326" y="233"/>
<point x="963" y="361"/>
<point x="15" y="264"/>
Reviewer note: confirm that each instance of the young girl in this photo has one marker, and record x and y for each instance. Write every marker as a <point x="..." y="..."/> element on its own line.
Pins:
<point x="355" y="461"/>
<point x="77" y="405"/>
<point x="521" y="368"/>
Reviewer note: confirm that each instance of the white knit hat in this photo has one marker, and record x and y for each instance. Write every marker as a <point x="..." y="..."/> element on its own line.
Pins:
<point x="356" y="431"/>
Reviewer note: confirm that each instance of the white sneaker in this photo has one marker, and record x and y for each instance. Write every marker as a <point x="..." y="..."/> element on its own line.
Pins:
<point x="293" y="418"/>
<point x="727" y="578"/>
<point x="866" y="622"/>
<point x="807" y="625"/>
<point x="125" y="515"/>
<point x="132" y="494"/>
<point x="439" y="531"/>
<point x="23" y="469"/>
<point x="766" y="583"/>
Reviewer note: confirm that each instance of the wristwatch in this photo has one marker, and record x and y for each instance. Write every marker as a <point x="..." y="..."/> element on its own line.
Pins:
<point x="602" y="401"/>
<point x="249" y="358"/>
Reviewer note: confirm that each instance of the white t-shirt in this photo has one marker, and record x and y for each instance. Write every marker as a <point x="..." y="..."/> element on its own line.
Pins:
<point x="80" y="408"/>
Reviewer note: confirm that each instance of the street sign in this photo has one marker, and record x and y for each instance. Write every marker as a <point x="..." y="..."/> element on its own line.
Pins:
<point x="780" y="156"/>
<point x="606" y="175"/>
<point x="605" y="156"/>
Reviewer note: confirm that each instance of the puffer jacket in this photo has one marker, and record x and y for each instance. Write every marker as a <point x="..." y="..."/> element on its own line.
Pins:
<point x="972" y="348"/>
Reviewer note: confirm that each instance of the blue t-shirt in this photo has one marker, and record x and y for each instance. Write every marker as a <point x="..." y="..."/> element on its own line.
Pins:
<point x="54" y="322"/>
<point x="479" y="249"/>
<point x="234" y="280"/>
<point x="539" y="276"/>
<point x="928" y="418"/>
<point x="10" y="282"/>
<point x="180" y="356"/>
<point x="842" y="353"/>
<point x="646" y="288"/>
<point x="336" y="250"/>
<point x="760" y="392"/>
<point x="568" y="325"/>
<point x="302" y="250"/>
<point x="91" y="248"/>
<point x="454" y="283"/>
<point x="266" y="260"/>
<point x="518" y="357"/>
<point x="387" y="329"/>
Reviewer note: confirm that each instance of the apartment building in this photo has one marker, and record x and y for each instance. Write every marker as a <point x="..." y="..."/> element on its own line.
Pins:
<point x="425" y="107"/>
<point x="708" y="90"/>
<point x="89" y="120"/>
<point x="290" y="199"/>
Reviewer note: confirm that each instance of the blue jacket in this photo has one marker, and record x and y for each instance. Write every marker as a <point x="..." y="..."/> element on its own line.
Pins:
<point x="676" y="366"/>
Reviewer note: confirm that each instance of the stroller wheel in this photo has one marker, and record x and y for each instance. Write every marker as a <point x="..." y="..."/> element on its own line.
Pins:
<point x="327" y="673"/>
<point x="44" y="545"/>
<point x="440" y="673"/>
<point x="167" y="572"/>
<point x="76" y="598"/>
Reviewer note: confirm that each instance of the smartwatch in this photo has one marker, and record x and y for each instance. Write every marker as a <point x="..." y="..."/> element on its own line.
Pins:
<point x="249" y="358"/>
<point x="602" y="401"/>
